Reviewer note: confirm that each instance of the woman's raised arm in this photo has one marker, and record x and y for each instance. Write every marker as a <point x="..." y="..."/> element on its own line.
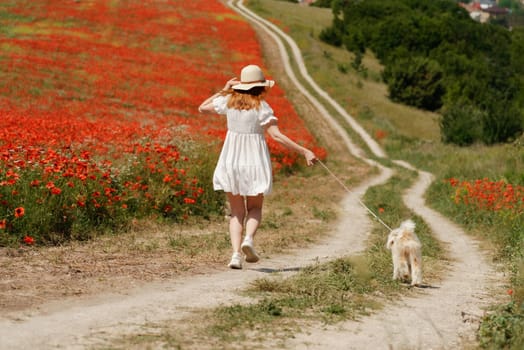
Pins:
<point x="275" y="133"/>
<point x="207" y="105"/>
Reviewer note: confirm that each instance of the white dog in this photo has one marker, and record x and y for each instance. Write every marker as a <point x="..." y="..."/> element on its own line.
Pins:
<point x="406" y="253"/>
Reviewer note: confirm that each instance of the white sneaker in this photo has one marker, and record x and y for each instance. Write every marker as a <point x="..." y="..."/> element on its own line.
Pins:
<point x="236" y="261"/>
<point x="249" y="250"/>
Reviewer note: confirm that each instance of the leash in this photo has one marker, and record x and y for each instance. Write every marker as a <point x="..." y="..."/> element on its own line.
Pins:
<point x="349" y="191"/>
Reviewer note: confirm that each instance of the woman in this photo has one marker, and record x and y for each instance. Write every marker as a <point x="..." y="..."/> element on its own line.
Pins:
<point x="244" y="170"/>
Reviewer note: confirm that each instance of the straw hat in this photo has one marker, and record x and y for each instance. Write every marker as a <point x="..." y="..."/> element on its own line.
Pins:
<point x="252" y="76"/>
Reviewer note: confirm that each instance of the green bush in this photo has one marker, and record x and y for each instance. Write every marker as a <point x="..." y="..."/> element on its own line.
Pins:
<point x="504" y="123"/>
<point x="415" y="81"/>
<point x="461" y="124"/>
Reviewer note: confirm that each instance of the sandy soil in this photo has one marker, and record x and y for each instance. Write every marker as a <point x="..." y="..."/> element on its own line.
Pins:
<point x="442" y="317"/>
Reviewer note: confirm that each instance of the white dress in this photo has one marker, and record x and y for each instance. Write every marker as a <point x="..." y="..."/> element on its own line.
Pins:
<point x="244" y="166"/>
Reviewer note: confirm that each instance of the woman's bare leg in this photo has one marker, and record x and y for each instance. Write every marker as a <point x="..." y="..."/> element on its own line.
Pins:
<point x="254" y="214"/>
<point x="236" y="223"/>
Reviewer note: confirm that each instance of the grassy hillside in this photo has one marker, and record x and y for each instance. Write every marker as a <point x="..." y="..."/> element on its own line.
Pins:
<point x="359" y="92"/>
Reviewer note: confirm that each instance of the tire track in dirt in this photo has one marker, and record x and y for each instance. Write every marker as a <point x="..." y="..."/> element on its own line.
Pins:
<point x="445" y="317"/>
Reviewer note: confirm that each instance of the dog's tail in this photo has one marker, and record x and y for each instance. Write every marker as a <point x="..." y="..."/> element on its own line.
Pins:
<point x="408" y="225"/>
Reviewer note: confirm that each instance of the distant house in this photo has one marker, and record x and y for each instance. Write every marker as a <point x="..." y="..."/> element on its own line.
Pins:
<point x="475" y="11"/>
<point x="483" y="10"/>
<point x="484" y="4"/>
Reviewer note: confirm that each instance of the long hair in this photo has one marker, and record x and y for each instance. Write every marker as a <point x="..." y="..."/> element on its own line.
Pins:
<point x="249" y="99"/>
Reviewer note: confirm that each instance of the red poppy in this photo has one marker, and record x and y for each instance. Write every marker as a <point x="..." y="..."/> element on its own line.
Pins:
<point x="380" y="134"/>
<point x="29" y="240"/>
<point x="56" y="190"/>
<point x="3" y="224"/>
<point x="19" y="212"/>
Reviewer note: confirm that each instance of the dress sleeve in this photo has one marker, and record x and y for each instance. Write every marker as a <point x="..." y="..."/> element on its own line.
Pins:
<point x="220" y="104"/>
<point x="265" y="114"/>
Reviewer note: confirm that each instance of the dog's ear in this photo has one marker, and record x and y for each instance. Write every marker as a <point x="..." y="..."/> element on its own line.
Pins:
<point x="391" y="241"/>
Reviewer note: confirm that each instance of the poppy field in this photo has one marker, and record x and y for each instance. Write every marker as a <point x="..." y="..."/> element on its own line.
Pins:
<point x="98" y="113"/>
<point x="496" y="204"/>
<point x="487" y="195"/>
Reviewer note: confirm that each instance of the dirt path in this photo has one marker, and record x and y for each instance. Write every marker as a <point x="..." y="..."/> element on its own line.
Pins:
<point x="434" y="319"/>
<point x="443" y="317"/>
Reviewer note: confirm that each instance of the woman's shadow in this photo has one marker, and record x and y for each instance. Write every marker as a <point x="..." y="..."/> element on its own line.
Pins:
<point x="271" y="270"/>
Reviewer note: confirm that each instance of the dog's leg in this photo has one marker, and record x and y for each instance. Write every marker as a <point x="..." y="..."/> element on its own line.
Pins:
<point x="403" y="268"/>
<point x="396" y="263"/>
<point x="416" y="266"/>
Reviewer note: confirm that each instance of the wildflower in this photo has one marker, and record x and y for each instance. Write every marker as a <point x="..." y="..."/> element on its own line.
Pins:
<point x="381" y="210"/>
<point x="453" y="182"/>
<point x="19" y="212"/>
<point x="380" y="134"/>
<point x="3" y="224"/>
<point x="510" y="292"/>
<point x="29" y="240"/>
<point x="56" y="191"/>
<point x="189" y="201"/>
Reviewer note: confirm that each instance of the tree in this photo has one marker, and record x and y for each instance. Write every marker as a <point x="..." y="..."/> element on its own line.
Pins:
<point x="415" y="81"/>
<point x="435" y="55"/>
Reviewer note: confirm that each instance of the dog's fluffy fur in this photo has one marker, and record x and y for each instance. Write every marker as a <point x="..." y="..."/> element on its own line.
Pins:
<point x="406" y="253"/>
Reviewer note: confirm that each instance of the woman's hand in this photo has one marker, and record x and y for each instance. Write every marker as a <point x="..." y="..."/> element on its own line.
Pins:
<point x="230" y="83"/>
<point x="311" y="158"/>
<point x="207" y="105"/>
